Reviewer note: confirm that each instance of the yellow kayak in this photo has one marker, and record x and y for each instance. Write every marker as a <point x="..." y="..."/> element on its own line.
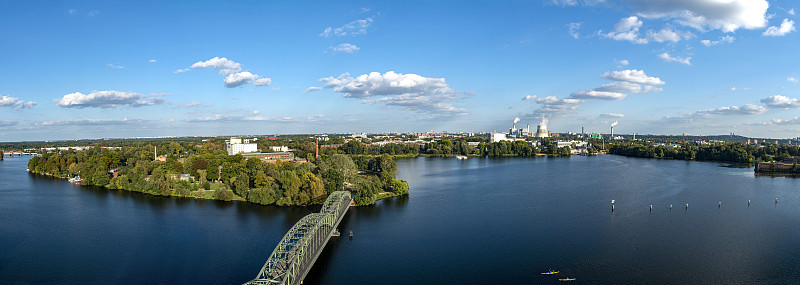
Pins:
<point x="551" y="272"/>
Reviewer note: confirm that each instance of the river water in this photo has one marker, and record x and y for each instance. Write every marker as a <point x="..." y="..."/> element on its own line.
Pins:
<point x="476" y="221"/>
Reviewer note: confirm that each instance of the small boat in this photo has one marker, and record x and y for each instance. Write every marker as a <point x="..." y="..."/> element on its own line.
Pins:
<point x="76" y="179"/>
<point x="566" y="279"/>
<point x="551" y="272"/>
<point x="461" y="157"/>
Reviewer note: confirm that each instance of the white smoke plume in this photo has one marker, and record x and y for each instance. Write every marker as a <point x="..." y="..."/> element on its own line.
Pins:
<point x="614" y="123"/>
<point x="516" y="120"/>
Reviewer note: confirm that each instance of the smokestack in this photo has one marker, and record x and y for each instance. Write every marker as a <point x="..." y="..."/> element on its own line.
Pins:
<point x="612" y="128"/>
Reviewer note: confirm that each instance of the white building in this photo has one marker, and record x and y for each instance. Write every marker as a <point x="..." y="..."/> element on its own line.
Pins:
<point x="279" y="148"/>
<point x="496" y="137"/>
<point x="235" y="146"/>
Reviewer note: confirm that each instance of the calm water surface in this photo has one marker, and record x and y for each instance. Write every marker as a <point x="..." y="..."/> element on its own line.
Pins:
<point x="478" y="221"/>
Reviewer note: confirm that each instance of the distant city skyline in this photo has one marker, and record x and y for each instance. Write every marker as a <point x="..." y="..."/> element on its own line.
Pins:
<point x="97" y="69"/>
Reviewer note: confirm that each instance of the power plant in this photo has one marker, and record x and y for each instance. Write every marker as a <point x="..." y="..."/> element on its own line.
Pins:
<point x="514" y="132"/>
<point x="541" y="129"/>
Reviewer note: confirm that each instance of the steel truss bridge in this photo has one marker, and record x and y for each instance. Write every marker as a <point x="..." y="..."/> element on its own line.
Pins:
<point x="298" y="250"/>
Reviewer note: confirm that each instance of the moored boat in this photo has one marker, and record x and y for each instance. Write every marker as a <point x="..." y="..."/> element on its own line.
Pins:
<point x="551" y="272"/>
<point x="566" y="279"/>
<point x="76" y="179"/>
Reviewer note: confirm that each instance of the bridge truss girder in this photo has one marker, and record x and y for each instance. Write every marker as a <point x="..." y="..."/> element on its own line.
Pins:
<point x="296" y="253"/>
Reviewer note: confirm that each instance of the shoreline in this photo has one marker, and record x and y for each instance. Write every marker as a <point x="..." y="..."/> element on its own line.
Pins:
<point x="381" y="196"/>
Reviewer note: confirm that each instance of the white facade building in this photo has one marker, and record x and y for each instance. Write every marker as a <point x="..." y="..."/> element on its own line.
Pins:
<point x="496" y="137"/>
<point x="235" y="146"/>
<point x="279" y="148"/>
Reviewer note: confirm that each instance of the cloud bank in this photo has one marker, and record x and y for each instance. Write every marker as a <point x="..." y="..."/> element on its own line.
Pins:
<point x="15" y="103"/>
<point x="412" y="92"/>
<point x="107" y="99"/>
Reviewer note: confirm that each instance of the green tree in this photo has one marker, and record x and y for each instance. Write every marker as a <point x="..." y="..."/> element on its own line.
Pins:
<point x="341" y="163"/>
<point x="241" y="184"/>
<point x="223" y="193"/>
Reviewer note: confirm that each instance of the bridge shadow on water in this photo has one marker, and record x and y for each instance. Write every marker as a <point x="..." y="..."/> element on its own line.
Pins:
<point x="323" y="268"/>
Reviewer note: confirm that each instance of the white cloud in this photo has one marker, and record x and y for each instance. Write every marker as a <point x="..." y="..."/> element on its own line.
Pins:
<point x="551" y="106"/>
<point x="8" y="123"/>
<point x="89" y="122"/>
<point x="595" y="94"/>
<point x="115" y="66"/>
<point x="408" y="91"/>
<point x="224" y="65"/>
<point x="255" y="117"/>
<point x="791" y="11"/>
<point x="263" y="82"/>
<point x="312" y="89"/>
<point x="577" y="2"/>
<point x="633" y="76"/>
<point x="792" y="121"/>
<point x="740" y="88"/>
<point x="612" y="115"/>
<point x="528" y="97"/>
<point x="722" y="39"/>
<point x="353" y="28"/>
<point x="668" y="35"/>
<point x="193" y="104"/>
<point x="781" y="102"/>
<point x="684" y="60"/>
<point x="239" y="79"/>
<point x="573" y="29"/>
<point x="627" y="87"/>
<point x="15" y="103"/>
<point x="152" y="60"/>
<point x="345" y="48"/>
<point x="234" y="76"/>
<point x="72" y="11"/>
<point x="791" y="79"/>
<point x="787" y="26"/>
<point x="627" y="29"/>
<point x="625" y="81"/>
<point x="725" y="15"/>
<point x="107" y="99"/>
<point x="622" y="63"/>
<point x="748" y="109"/>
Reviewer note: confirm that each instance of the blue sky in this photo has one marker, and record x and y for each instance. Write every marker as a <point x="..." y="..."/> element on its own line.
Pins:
<point x="94" y="69"/>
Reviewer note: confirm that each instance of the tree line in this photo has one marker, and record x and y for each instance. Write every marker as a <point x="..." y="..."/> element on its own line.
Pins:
<point x="447" y="147"/>
<point x="231" y="177"/>
<point x="724" y="152"/>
